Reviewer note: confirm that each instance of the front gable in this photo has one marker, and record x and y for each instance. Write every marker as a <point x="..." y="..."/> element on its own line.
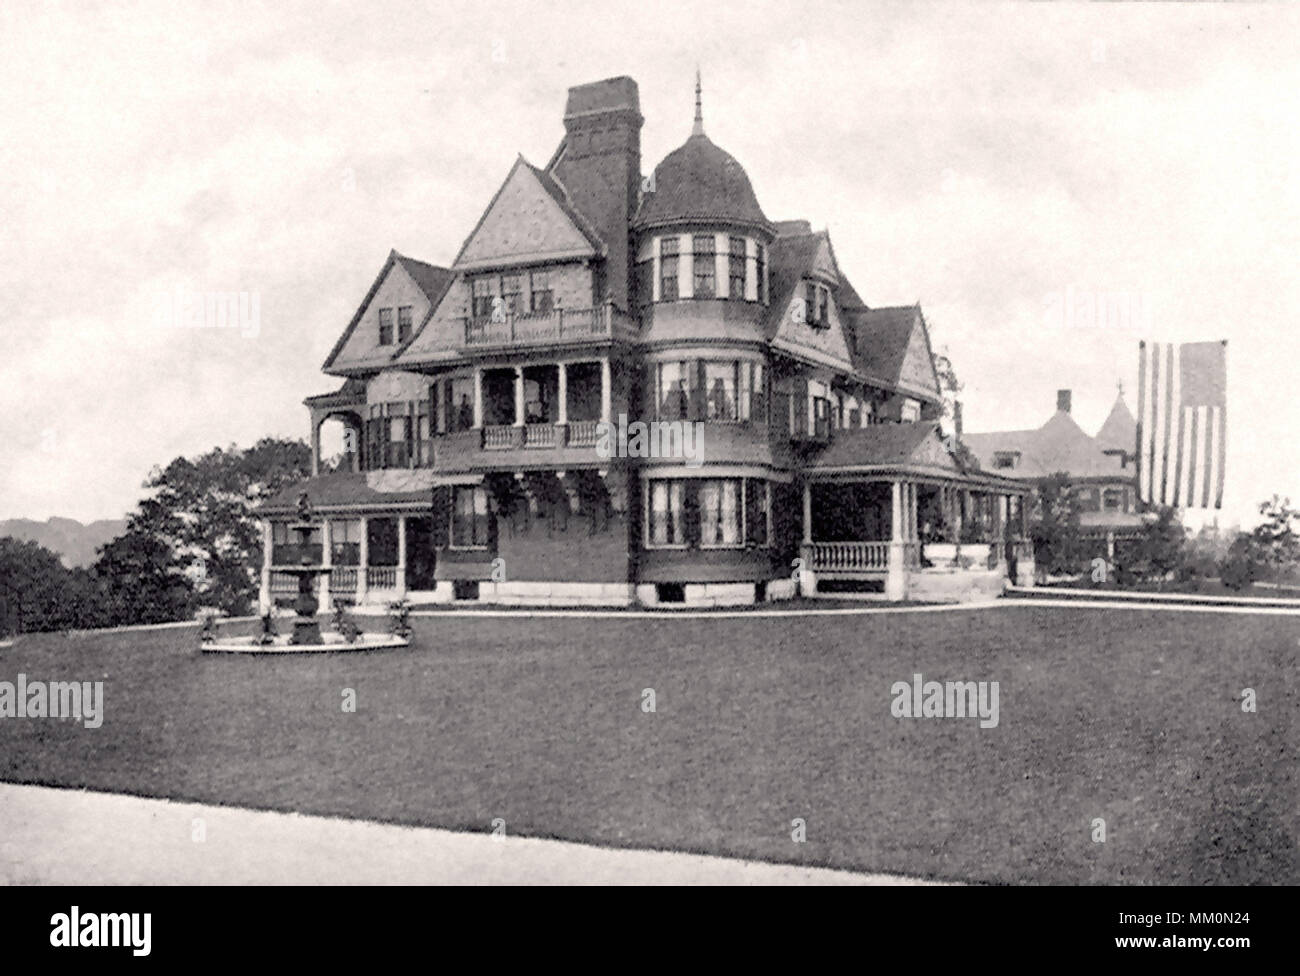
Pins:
<point x="358" y="348"/>
<point x="826" y="343"/>
<point x="524" y="224"/>
<point x="916" y="372"/>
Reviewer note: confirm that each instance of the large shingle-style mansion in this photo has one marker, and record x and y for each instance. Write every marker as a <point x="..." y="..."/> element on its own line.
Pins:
<point x="500" y="410"/>
<point x="1100" y="469"/>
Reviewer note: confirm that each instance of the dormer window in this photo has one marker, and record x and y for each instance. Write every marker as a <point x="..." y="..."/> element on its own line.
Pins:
<point x="404" y="323"/>
<point x="704" y="251"/>
<point x="385" y="326"/>
<point x="1006" y="460"/>
<point x="817" y="298"/>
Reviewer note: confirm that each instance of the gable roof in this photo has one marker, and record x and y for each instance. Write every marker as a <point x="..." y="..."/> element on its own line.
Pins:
<point x="554" y="192"/>
<point x="918" y="447"/>
<point x="890" y="342"/>
<point x="431" y="279"/>
<point x="789" y="259"/>
<point x="1059" y="445"/>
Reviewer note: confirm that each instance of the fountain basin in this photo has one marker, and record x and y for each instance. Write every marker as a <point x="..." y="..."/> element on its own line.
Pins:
<point x="283" y="644"/>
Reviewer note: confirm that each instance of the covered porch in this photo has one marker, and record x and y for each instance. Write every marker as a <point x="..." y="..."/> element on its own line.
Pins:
<point x="894" y="514"/>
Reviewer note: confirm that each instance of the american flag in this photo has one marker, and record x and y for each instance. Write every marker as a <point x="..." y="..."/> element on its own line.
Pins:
<point x="1182" y="423"/>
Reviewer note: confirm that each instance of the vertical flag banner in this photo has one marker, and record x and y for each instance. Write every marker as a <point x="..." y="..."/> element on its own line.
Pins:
<point x="1182" y="423"/>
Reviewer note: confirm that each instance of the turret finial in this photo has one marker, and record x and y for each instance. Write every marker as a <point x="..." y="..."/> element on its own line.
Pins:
<point x="698" y="129"/>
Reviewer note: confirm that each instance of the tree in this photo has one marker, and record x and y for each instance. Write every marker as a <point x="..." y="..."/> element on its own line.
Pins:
<point x="38" y="593"/>
<point x="1159" y="549"/>
<point x="1054" y="526"/>
<point x="194" y="536"/>
<point x="1270" y="551"/>
<point x="141" y="581"/>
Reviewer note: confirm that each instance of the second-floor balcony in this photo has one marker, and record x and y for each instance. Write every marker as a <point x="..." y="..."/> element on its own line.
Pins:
<point x="604" y="323"/>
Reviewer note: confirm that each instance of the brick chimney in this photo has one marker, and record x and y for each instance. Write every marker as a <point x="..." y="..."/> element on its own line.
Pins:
<point x="1063" y="401"/>
<point x="956" y="420"/>
<point x="601" y="168"/>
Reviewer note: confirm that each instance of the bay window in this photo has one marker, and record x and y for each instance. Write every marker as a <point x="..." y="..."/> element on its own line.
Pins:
<point x="720" y="390"/>
<point x="736" y="263"/>
<point x="665" y="522"/>
<point x="668" y="258"/>
<point x="708" y="513"/>
<point x="704" y="251"/>
<point x="469" y="518"/>
<point x="720" y="512"/>
<point x="674" y="389"/>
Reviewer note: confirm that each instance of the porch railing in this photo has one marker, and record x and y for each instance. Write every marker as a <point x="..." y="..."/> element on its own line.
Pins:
<point x="381" y="577"/>
<point x="848" y="557"/>
<point x="343" y="579"/>
<point x="283" y="584"/>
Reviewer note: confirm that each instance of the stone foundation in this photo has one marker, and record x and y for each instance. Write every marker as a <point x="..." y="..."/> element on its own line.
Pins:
<point x="955" y="586"/>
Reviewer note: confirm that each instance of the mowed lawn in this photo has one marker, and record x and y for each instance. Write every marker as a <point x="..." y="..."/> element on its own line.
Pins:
<point x="1132" y="716"/>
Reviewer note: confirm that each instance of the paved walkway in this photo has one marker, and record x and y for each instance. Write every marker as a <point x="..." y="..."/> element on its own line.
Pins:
<point x="74" y="837"/>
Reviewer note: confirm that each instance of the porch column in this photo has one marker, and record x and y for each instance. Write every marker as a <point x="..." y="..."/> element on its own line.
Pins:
<point x="264" y="589"/>
<point x="363" y="584"/>
<point x="478" y="397"/>
<point x="519" y="396"/>
<point x="401" y="557"/>
<point x="564" y="393"/>
<point x="327" y="561"/>
<point x="315" y="446"/>
<point x="605" y="391"/>
<point x="896" y="577"/>
<point x="807" y="578"/>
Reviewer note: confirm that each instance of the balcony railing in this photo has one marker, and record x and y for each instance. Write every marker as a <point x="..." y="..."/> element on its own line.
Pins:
<point x="546" y="328"/>
<point x="539" y="435"/>
<point x="498" y="437"/>
<point x="583" y="433"/>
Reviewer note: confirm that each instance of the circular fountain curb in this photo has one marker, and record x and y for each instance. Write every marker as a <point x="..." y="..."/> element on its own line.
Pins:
<point x="250" y="645"/>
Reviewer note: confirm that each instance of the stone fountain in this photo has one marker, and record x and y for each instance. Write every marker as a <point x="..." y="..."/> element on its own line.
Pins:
<point x="305" y="628"/>
<point x="307" y="636"/>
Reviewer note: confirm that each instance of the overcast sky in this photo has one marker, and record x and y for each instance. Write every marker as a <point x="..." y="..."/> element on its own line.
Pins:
<point x="980" y="159"/>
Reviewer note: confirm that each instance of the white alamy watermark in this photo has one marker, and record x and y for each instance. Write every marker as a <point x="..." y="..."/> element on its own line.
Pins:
<point x="1082" y="308"/>
<point x="73" y="930"/>
<point x="681" y="439"/>
<point x="81" y="701"/>
<point x="946" y="699"/>
<point x="185" y="309"/>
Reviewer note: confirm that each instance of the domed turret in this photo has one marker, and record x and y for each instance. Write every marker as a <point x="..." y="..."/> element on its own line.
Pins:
<point x="699" y="182"/>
